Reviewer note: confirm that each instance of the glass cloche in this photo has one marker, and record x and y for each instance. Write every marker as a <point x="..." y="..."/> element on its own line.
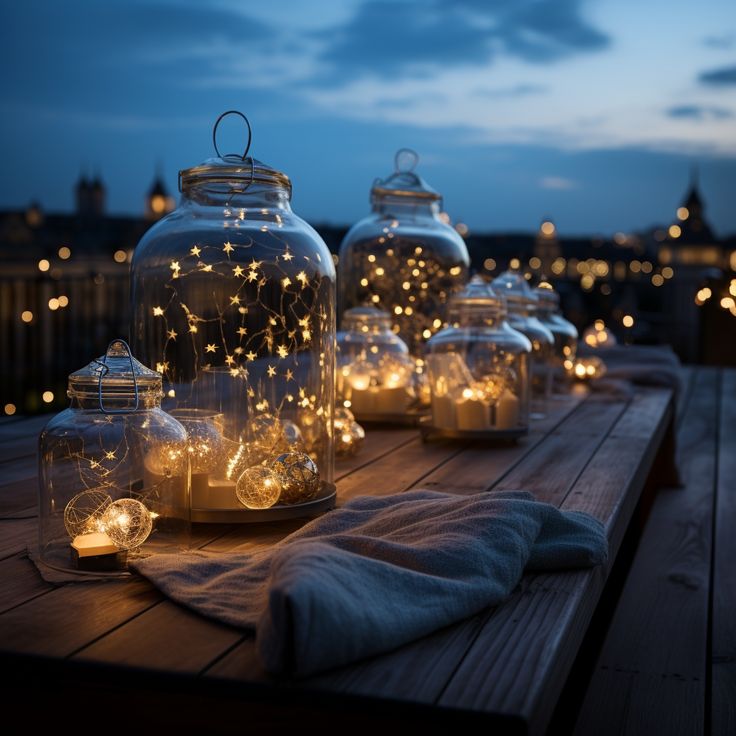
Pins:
<point x="233" y="300"/>
<point x="522" y="304"/>
<point x="114" y="470"/>
<point x="403" y="258"/>
<point x="565" y="333"/>
<point x="375" y="373"/>
<point x="478" y="370"/>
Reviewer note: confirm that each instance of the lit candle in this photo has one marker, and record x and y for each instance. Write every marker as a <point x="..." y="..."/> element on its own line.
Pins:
<point x="507" y="411"/>
<point x="363" y="401"/>
<point x="472" y="412"/>
<point x="443" y="412"/>
<point x="391" y="400"/>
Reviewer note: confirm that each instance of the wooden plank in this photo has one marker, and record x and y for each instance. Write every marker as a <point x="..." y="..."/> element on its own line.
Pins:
<point x="166" y="637"/>
<point x="723" y="626"/>
<point x="525" y="649"/>
<point x="650" y="675"/>
<point x="19" y="497"/>
<point x="21" y="582"/>
<point x="70" y="617"/>
<point x="16" y="535"/>
<point x="377" y="443"/>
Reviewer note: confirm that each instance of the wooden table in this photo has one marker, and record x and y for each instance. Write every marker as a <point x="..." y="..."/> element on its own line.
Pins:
<point x="88" y="646"/>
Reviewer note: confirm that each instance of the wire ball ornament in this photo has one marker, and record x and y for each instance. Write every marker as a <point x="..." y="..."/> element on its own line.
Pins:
<point x="258" y="488"/>
<point x="299" y="477"/>
<point x="127" y="522"/>
<point x="84" y="513"/>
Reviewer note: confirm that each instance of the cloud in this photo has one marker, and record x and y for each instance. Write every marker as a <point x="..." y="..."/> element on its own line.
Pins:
<point x="417" y="37"/>
<point x="518" y="90"/>
<point x="722" y="41"/>
<point x="721" y="77"/>
<point x="559" y="183"/>
<point x="699" y="112"/>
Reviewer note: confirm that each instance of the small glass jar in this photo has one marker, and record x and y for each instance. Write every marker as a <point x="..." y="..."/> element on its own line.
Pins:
<point x="522" y="305"/>
<point x="478" y="370"/>
<point x="233" y="300"/>
<point x="375" y="373"/>
<point x="564" y="332"/>
<point x="403" y="258"/>
<point x="114" y="470"/>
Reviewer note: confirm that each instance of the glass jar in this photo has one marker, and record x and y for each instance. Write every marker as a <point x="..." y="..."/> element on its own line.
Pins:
<point x="233" y="300"/>
<point x="403" y="258"/>
<point x="114" y="470"/>
<point x="565" y="333"/>
<point x="478" y="370"/>
<point x="375" y="374"/>
<point x="522" y="305"/>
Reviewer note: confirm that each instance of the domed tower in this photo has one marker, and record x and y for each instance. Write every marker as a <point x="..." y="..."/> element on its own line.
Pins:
<point x="546" y="245"/>
<point x="158" y="200"/>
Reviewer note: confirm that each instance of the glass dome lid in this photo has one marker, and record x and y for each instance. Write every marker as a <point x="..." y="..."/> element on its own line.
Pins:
<point x="478" y="297"/>
<point x="233" y="171"/>
<point x="403" y="182"/>
<point x="515" y="290"/>
<point x="549" y="299"/>
<point x="365" y="319"/>
<point x="113" y="377"/>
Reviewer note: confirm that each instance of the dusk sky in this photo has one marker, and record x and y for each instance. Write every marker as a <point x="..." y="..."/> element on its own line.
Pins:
<point x="588" y="111"/>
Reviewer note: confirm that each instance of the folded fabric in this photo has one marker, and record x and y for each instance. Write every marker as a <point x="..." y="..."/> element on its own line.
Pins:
<point x="378" y="572"/>
<point x="646" y="365"/>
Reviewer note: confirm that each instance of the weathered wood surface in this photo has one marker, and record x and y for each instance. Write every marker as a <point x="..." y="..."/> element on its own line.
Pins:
<point x="588" y="453"/>
<point x="652" y="672"/>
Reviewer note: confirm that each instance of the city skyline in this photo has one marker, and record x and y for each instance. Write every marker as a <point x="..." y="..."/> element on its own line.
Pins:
<point x="591" y="113"/>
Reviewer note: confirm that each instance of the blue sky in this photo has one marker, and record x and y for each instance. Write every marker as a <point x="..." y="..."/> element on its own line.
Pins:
<point x="588" y="111"/>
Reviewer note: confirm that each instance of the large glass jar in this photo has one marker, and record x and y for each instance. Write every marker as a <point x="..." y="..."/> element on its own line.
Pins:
<point x="233" y="300"/>
<point x="565" y="333"/>
<point x="478" y="370"/>
<point x="403" y="258"/>
<point x="522" y="305"/>
<point x="375" y="374"/>
<point x="114" y="470"/>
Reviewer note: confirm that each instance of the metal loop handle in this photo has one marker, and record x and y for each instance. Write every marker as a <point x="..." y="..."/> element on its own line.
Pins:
<point x="106" y="369"/>
<point x="410" y="158"/>
<point x="214" y="135"/>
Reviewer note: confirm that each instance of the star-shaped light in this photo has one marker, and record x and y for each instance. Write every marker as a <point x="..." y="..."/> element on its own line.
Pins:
<point x="207" y="267"/>
<point x="238" y="271"/>
<point x="234" y="372"/>
<point x="228" y="247"/>
<point x="254" y="264"/>
<point x="282" y="351"/>
<point x="289" y="374"/>
<point x="235" y="300"/>
<point x="242" y="331"/>
<point x="175" y="266"/>
<point x="252" y="276"/>
<point x="271" y="371"/>
<point x="250" y="355"/>
<point x="162" y="367"/>
<point x="302" y="277"/>
<point x="210" y="348"/>
<point x="195" y="251"/>
<point x="287" y="256"/>
<point x="193" y="328"/>
<point x="158" y="312"/>
<point x="172" y="334"/>
<point x="229" y="359"/>
<point x="110" y="455"/>
<point x="286" y="281"/>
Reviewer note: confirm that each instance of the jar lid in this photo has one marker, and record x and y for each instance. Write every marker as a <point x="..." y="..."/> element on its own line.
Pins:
<point x="403" y="182"/>
<point x="365" y="319"/>
<point x="116" y="378"/>
<point x="515" y="289"/>
<point x="233" y="171"/>
<point x="477" y="298"/>
<point x="547" y="296"/>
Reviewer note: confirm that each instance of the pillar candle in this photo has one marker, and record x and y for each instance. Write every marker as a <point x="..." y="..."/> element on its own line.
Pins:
<point x="443" y="412"/>
<point x="473" y="414"/>
<point x="362" y="401"/>
<point x="222" y="495"/>
<point x="507" y="411"/>
<point x="391" y="400"/>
